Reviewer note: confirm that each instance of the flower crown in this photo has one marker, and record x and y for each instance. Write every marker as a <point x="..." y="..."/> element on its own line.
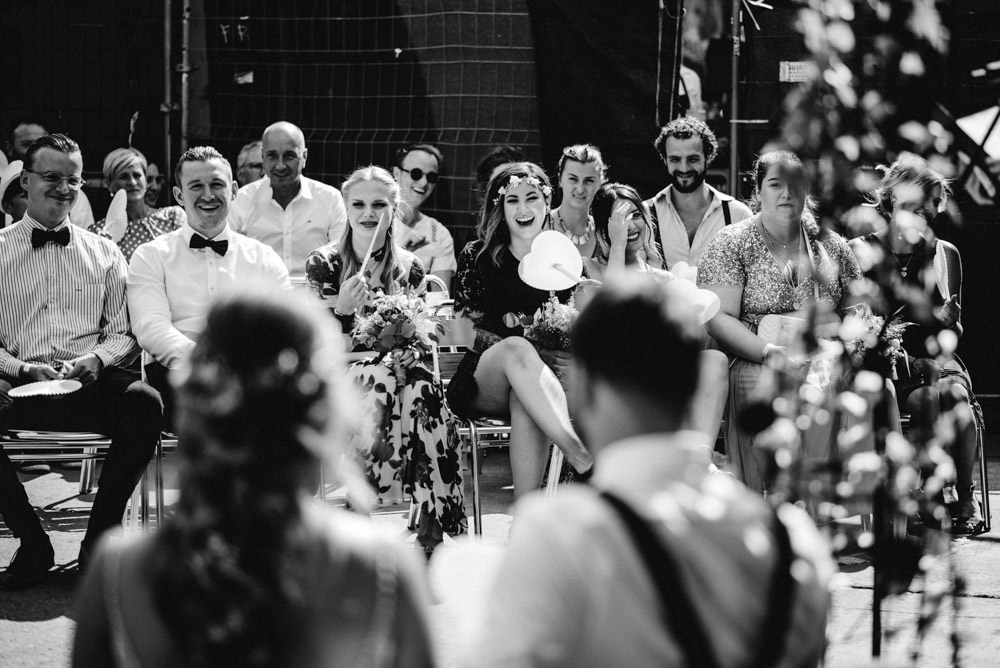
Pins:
<point x="517" y="180"/>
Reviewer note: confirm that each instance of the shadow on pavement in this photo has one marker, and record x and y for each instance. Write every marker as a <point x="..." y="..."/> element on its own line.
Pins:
<point x="54" y="597"/>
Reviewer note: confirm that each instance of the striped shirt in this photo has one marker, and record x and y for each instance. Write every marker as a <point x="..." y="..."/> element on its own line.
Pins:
<point x="59" y="303"/>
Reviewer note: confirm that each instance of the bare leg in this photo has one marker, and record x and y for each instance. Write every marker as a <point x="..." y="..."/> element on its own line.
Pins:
<point x="513" y="365"/>
<point x="709" y="401"/>
<point x="528" y="449"/>
<point x="955" y="401"/>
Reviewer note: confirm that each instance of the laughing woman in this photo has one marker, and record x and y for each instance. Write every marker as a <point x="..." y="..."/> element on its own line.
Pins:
<point x="412" y="441"/>
<point x="125" y="168"/>
<point x="504" y="374"/>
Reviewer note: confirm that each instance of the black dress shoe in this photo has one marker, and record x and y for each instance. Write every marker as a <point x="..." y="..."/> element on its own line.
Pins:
<point x="30" y="565"/>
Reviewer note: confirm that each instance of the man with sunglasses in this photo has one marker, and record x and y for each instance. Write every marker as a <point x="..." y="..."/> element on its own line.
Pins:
<point x="289" y="212"/>
<point x="418" y="169"/>
<point x="63" y="315"/>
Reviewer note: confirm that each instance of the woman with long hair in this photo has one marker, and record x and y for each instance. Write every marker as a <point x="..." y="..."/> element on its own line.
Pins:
<point x="250" y="570"/>
<point x="504" y="374"/>
<point x="777" y="262"/>
<point x="580" y="172"/>
<point x="624" y="232"/>
<point x="125" y="169"/>
<point x="409" y="443"/>
<point x="919" y="280"/>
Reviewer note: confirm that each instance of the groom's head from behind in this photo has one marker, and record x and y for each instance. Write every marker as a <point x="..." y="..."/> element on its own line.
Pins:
<point x="636" y="346"/>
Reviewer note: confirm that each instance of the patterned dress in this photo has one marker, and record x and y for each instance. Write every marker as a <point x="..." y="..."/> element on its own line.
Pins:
<point x="409" y="443"/>
<point x="493" y="297"/>
<point x="138" y="232"/>
<point x="738" y="256"/>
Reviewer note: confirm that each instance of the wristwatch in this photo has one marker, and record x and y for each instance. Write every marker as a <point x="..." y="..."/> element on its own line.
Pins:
<point x="23" y="373"/>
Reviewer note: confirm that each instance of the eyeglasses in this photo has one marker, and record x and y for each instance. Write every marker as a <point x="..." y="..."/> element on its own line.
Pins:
<point x="55" y="178"/>
<point x="416" y="174"/>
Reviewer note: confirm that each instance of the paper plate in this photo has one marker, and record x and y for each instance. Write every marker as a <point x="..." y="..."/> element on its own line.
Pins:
<point x="46" y="388"/>
<point x="59" y="436"/>
<point x="554" y="263"/>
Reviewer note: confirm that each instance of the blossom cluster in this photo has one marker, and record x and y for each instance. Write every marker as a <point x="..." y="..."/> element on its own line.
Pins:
<point x="550" y="325"/>
<point x="401" y="321"/>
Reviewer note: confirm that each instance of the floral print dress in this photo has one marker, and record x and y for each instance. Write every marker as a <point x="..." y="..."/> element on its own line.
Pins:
<point x="138" y="232"/>
<point x="409" y="441"/>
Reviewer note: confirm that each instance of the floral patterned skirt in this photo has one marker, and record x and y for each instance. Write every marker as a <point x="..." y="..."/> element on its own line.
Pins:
<point x="409" y="443"/>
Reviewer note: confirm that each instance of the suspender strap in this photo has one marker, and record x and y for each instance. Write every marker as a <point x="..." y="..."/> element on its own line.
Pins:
<point x="680" y="615"/>
<point x="725" y="211"/>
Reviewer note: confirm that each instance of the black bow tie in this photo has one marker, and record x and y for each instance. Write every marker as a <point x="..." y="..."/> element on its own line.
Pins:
<point x="220" y="247"/>
<point x="41" y="237"/>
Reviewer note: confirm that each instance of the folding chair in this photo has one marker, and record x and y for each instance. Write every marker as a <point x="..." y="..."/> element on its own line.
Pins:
<point x="23" y="445"/>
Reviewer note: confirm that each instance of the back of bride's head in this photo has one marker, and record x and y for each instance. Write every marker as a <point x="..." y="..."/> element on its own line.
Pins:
<point x="259" y="402"/>
<point x="260" y="389"/>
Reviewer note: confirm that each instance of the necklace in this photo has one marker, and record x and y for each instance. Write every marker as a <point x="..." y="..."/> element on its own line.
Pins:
<point x="904" y="267"/>
<point x="788" y="269"/>
<point x="579" y="240"/>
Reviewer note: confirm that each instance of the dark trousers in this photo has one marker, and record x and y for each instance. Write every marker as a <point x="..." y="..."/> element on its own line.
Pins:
<point x="117" y="404"/>
<point x="156" y="375"/>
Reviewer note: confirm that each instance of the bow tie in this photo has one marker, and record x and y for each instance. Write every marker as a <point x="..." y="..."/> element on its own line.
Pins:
<point x="41" y="237"/>
<point x="220" y="247"/>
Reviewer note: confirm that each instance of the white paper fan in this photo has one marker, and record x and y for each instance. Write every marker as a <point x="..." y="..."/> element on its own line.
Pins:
<point x="116" y="222"/>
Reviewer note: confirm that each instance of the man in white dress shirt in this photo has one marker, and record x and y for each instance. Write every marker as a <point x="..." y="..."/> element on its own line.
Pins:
<point x="173" y="279"/>
<point x="689" y="212"/>
<point x="586" y="579"/>
<point x="289" y="212"/>
<point x="418" y="169"/>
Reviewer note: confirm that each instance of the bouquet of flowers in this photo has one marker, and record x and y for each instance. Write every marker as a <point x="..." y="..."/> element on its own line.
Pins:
<point x="549" y="327"/>
<point x="863" y="330"/>
<point x="401" y="321"/>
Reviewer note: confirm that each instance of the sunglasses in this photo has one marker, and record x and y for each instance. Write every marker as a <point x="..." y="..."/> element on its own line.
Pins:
<point x="416" y="174"/>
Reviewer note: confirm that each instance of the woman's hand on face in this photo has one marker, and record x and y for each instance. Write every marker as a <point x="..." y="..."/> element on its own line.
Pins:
<point x="618" y="224"/>
<point x="352" y="294"/>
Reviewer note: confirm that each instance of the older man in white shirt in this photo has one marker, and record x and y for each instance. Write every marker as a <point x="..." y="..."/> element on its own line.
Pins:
<point x="173" y="279"/>
<point x="289" y="212"/>
<point x="659" y="551"/>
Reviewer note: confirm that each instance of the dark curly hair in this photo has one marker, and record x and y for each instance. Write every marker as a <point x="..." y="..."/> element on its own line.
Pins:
<point x="255" y="407"/>
<point x="686" y="127"/>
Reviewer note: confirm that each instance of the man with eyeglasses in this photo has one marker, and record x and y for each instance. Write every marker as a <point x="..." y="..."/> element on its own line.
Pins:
<point x="289" y="212"/>
<point x="20" y="134"/>
<point x="63" y="316"/>
<point x="418" y="168"/>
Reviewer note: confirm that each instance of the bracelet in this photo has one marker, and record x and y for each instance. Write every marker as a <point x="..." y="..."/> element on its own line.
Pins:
<point x="23" y="373"/>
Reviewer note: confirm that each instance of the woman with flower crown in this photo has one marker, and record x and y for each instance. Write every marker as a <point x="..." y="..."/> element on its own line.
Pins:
<point x="504" y="374"/>
<point x="409" y="443"/>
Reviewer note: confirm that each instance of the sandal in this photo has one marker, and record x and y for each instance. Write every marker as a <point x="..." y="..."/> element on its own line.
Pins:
<point x="966" y="518"/>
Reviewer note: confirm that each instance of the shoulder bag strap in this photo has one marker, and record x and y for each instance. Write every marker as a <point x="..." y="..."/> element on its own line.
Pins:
<point x="726" y="213"/>
<point x="680" y="615"/>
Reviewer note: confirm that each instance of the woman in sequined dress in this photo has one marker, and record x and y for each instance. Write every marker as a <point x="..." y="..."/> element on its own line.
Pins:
<point x="504" y="374"/>
<point x="778" y="261"/>
<point x="581" y="171"/>
<point x="125" y="168"/>
<point x="409" y="443"/>
<point x="914" y="271"/>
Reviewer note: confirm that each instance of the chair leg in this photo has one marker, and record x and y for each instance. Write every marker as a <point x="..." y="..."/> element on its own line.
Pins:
<point x="144" y="501"/>
<point x="555" y="468"/>
<point x="158" y="482"/>
<point x="984" y="483"/>
<point x="477" y="517"/>
<point x="87" y="472"/>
